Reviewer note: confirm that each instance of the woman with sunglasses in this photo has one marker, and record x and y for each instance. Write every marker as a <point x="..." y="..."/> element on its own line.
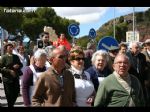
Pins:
<point x="84" y="87"/>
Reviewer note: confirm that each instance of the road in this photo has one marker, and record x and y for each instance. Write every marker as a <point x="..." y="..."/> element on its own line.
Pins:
<point x="3" y="101"/>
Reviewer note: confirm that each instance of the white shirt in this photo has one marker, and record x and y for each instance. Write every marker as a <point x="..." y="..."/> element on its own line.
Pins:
<point x="84" y="88"/>
<point x="35" y="78"/>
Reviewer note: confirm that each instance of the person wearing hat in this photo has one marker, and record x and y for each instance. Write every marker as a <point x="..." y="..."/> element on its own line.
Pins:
<point x="112" y="51"/>
<point x="147" y="72"/>
<point x="88" y="54"/>
<point x="11" y="70"/>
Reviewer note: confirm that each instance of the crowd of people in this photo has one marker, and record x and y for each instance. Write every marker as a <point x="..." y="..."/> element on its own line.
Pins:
<point x="59" y="74"/>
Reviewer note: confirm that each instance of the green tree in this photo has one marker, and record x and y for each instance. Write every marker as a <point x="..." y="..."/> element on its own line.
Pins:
<point x="121" y="30"/>
<point x="139" y="17"/>
<point x="121" y="19"/>
<point x="33" y="27"/>
<point x="147" y="15"/>
<point x="10" y="21"/>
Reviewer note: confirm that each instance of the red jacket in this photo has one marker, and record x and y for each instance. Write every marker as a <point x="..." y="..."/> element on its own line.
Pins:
<point x="62" y="42"/>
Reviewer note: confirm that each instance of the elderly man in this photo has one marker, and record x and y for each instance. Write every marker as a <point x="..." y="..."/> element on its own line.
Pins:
<point x="120" y="89"/>
<point x="138" y="64"/>
<point x="55" y="87"/>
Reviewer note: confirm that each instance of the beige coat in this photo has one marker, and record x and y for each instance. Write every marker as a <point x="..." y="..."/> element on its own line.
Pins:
<point x="48" y="91"/>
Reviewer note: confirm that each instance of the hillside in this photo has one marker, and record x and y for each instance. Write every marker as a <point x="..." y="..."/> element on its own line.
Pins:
<point x="125" y="23"/>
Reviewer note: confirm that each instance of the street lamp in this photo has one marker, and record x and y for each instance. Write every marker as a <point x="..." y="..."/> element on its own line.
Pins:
<point x="114" y="24"/>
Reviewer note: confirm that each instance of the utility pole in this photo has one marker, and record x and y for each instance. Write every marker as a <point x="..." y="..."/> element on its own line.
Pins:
<point x="114" y="24"/>
<point x="133" y="24"/>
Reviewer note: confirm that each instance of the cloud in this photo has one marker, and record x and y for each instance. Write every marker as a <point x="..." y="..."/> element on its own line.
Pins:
<point x="127" y="10"/>
<point x="81" y="14"/>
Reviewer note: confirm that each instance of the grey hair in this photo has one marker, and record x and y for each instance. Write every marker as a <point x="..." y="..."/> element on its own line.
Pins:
<point x="49" y="50"/>
<point x="53" y="54"/>
<point x="62" y="47"/>
<point x="39" y="53"/>
<point x="122" y="55"/>
<point x="133" y="43"/>
<point x="100" y="53"/>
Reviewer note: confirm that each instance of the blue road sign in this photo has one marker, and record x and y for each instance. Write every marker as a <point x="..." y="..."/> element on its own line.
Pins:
<point x="92" y="33"/>
<point x="108" y="43"/>
<point x="73" y="29"/>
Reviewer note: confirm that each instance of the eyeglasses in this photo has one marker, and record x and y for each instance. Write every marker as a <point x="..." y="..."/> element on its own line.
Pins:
<point x="78" y="59"/>
<point x="119" y="63"/>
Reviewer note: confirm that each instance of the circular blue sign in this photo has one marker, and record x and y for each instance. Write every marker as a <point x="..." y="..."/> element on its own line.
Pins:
<point x="73" y="29"/>
<point x="92" y="33"/>
<point x="108" y="43"/>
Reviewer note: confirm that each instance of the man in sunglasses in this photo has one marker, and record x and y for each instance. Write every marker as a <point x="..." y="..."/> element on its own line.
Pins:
<point x="55" y="87"/>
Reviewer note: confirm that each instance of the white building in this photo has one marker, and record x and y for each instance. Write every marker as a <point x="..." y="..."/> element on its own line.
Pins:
<point x="132" y="37"/>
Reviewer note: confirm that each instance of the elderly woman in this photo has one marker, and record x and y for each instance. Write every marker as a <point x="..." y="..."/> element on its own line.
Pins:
<point x="31" y="74"/>
<point x="84" y="87"/>
<point x="99" y="70"/>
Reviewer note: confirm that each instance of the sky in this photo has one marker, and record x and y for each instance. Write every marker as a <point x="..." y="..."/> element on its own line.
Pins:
<point x="93" y="17"/>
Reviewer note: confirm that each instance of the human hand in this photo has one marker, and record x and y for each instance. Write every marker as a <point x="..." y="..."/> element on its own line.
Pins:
<point x="90" y="100"/>
<point x="16" y="66"/>
<point x="12" y="73"/>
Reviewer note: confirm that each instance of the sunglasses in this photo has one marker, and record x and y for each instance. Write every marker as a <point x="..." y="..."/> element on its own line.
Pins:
<point x="114" y="51"/>
<point x="61" y="56"/>
<point x="75" y="51"/>
<point x="46" y="36"/>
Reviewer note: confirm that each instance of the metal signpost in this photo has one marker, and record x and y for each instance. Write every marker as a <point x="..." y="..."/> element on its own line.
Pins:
<point x="73" y="30"/>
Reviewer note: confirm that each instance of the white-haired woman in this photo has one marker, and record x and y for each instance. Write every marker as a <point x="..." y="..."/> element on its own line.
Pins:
<point x="99" y="69"/>
<point x="31" y="74"/>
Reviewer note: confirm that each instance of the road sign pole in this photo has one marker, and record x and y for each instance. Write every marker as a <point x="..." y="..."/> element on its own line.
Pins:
<point x="72" y="39"/>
